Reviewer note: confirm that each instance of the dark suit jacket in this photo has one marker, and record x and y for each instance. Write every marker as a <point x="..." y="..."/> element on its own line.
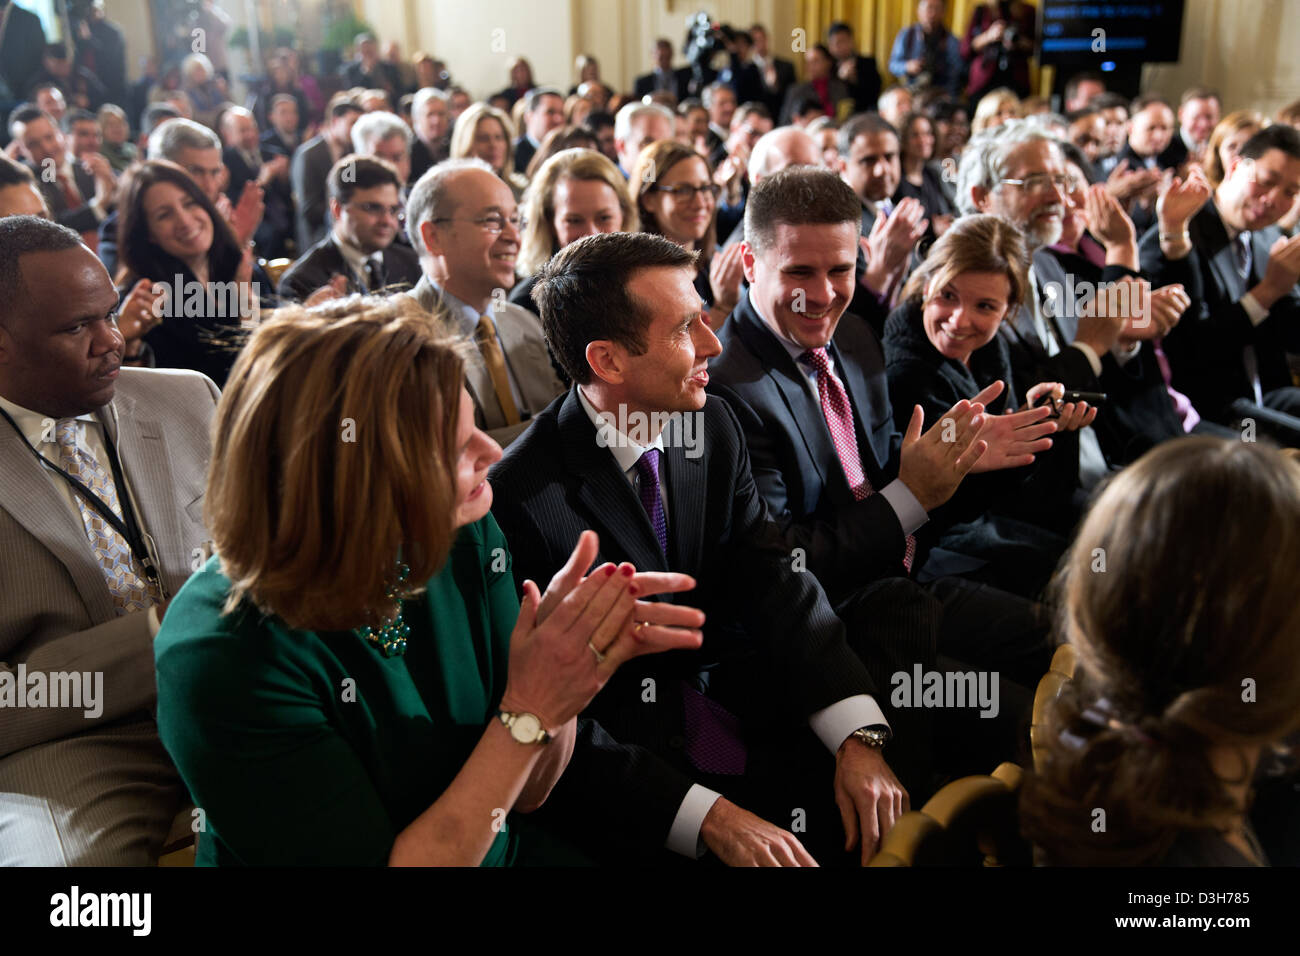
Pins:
<point x="1207" y="348"/>
<point x="313" y="270"/>
<point x="273" y="145"/>
<point x="644" y="85"/>
<point x="21" y="52"/>
<point x="774" y="96"/>
<point x="77" y="218"/>
<point x="1175" y="155"/>
<point x="553" y="483"/>
<point x="524" y="153"/>
<point x="838" y="93"/>
<point x="277" y="223"/>
<point x="866" y="91"/>
<point x="307" y="174"/>
<point x="795" y="465"/>
<point x="382" y="77"/>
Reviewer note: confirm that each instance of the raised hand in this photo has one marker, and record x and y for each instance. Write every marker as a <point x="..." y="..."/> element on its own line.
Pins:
<point x="246" y="216"/>
<point x="725" y="272"/>
<point x="1107" y="220"/>
<point x="1181" y="199"/>
<point x="933" y="464"/>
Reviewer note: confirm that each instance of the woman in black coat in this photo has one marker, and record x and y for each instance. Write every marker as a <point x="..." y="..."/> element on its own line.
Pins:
<point x="1007" y="527"/>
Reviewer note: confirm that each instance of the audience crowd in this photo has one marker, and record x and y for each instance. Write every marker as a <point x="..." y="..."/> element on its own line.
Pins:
<point x="583" y="476"/>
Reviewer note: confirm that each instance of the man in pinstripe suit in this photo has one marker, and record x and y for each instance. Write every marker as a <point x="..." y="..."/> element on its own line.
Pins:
<point x="724" y="747"/>
<point x="85" y="582"/>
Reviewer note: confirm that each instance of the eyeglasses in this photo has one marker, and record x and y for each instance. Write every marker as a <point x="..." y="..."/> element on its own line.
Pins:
<point x="1042" y="182"/>
<point x="493" y="223"/>
<point x="378" y="209"/>
<point x="685" y="192"/>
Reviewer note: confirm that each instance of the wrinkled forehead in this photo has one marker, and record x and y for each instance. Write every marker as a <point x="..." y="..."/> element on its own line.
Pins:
<point x="1035" y="156"/>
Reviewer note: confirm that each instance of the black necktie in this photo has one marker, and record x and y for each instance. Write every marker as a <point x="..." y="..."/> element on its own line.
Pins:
<point x="375" y="279"/>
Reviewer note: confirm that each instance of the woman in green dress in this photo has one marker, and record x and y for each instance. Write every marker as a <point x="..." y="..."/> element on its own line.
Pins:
<point x="352" y="679"/>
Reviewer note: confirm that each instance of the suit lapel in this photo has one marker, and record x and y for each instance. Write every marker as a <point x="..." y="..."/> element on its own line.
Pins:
<point x="487" y="409"/>
<point x="686" y="495"/>
<point x="850" y="360"/>
<point x="30" y="497"/>
<point x="609" y="503"/>
<point x="1223" y="261"/>
<point x="790" y="383"/>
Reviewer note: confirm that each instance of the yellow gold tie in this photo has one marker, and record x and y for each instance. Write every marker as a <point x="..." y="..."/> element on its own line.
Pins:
<point x="495" y="360"/>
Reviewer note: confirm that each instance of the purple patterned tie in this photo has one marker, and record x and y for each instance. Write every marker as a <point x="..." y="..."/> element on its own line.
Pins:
<point x="647" y="466"/>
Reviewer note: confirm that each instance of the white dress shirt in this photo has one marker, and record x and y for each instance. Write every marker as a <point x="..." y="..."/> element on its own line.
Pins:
<point x="356" y="259"/>
<point x="832" y="724"/>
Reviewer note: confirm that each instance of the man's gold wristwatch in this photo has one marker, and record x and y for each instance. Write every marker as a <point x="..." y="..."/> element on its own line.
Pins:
<point x="875" y="736"/>
<point x="524" y="728"/>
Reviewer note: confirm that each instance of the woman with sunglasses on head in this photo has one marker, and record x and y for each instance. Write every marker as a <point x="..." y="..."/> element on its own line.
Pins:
<point x="352" y="679"/>
<point x="677" y="199"/>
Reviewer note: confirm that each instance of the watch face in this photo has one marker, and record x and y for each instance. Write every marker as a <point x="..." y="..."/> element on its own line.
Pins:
<point x="525" y="728"/>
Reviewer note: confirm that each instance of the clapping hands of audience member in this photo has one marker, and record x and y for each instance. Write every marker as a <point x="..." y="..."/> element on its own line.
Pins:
<point x="567" y="643"/>
<point x="891" y="241"/>
<point x="135" y="316"/>
<point x="725" y="273"/>
<point x="1072" y="415"/>
<point x="933" y="464"/>
<point x="1180" y="199"/>
<point x="336" y="288"/>
<point x="1100" y="326"/>
<point x="246" y="215"/>
<point x="1111" y="226"/>
<point x="869" y="796"/>
<point x="1282" y="272"/>
<point x="1013" y="438"/>
<point x="1128" y="185"/>
<point x="274" y="168"/>
<point x="105" y="181"/>
<point x="1167" y="305"/>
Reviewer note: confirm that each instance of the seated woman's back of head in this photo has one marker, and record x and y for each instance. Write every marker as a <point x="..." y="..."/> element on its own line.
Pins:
<point x="1178" y="594"/>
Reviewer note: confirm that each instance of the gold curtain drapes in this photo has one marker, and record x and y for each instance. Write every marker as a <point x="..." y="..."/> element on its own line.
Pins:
<point x="876" y="23"/>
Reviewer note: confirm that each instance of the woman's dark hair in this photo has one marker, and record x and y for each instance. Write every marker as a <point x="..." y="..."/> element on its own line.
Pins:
<point x="1073" y="154"/>
<point x="139" y="256"/>
<point x="1187" y="640"/>
<point x="905" y="127"/>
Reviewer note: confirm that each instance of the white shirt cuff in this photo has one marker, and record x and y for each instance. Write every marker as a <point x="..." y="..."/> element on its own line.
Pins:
<point x="1125" y="355"/>
<point x="1090" y="355"/>
<point x="1253" y="309"/>
<point x="154" y="624"/>
<point x="910" y="513"/>
<point x="684" y="835"/>
<point x="833" y="724"/>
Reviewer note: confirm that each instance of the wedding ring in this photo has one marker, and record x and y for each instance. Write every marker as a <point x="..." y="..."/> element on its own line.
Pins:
<point x="600" y="658"/>
<point x="636" y="628"/>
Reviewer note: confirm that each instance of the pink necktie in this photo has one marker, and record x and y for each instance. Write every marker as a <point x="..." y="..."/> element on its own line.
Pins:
<point x="839" y="419"/>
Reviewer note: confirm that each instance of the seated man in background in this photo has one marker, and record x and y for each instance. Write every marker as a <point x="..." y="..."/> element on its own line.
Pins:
<point x="78" y="192"/>
<point x="246" y="163"/>
<point x="463" y="221"/>
<point x="104" y="472"/>
<point x="385" y="136"/>
<point x="310" y="168"/>
<point x="360" y="254"/>
<point x="1229" y="354"/>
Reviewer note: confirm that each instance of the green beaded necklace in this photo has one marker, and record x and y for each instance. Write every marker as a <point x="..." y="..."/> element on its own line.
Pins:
<point x="390" y="639"/>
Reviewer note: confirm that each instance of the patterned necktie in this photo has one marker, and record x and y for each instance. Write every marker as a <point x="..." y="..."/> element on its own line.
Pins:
<point x="647" y="466"/>
<point x="375" y="280"/>
<point x="839" y="419"/>
<point x="130" y="588"/>
<point x="1241" y="251"/>
<point x="495" y="360"/>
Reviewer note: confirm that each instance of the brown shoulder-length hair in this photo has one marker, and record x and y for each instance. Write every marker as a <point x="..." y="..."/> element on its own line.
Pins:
<point x="973" y="244"/>
<point x="139" y="257"/>
<point x="1187" y="634"/>
<point x="1234" y="122"/>
<point x="650" y="167"/>
<point x="334" y="454"/>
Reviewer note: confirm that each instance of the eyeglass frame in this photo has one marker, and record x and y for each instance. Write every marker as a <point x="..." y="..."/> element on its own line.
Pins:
<point x="678" y="194"/>
<point x="1062" y="181"/>
<point x="485" y="222"/>
<point x="375" y="208"/>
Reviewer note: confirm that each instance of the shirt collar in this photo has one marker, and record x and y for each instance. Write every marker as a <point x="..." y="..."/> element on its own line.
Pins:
<point x="466" y="316"/>
<point x="790" y="345"/>
<point x="32" y="424"/>
<point x="354" y="256"/>
<point x="625" y="451"/>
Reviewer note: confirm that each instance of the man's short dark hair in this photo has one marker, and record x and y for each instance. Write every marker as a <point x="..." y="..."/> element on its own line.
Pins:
<point x="343" y="107"/>
<point x="21" y="236"/>
<point x="533" y="98"/>
<point x="798" y="196"/>
<point x="1083" y="112"/>
<point x="14" y="174"/>
<point x="1145" y="100"/>
<point x="864" y="124"/>
<point x="598" y="120"/>
<point x="1073" y="154"/>
<point x="1199" y="93"/>
<point x="155" y="114"/>
<point x="25" y="113"/>
<point x="1278" y="136"/>
<point x="583" y="298"/>
<point x="751" y="108"/>
<point x="945" y="109"/>
<point x="1108" y="101"/>
<point x="355" y="172"/>
<point x="1078" y="79"/>
<point x="839" y="26"/>
<point x="281" y="98"/>
<point x="807" y="104"/>
<point x="74" y="116"/>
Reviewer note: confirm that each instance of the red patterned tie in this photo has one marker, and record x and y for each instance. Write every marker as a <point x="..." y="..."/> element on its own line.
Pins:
<point x="839" y="419"/>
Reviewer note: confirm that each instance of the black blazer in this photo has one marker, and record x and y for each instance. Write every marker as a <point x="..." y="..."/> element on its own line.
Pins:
<point x="1207" y="349"/>
<point x="553" y="483"/>
<point x="795" y="465"/>
<point x="866" y="91"/>
<point x="77" y="218"/>
<point x="644" y="84"/>
<point x="774" y="96"/>
<point x="524" y="153"/>
<point x="22" y="52"/>
<point x="401" y="270"/>
<point x="277" y="223"/>
<point x="308" y="173"/>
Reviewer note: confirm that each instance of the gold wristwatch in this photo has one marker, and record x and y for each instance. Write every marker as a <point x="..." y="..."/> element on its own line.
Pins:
<point x="875" y="736"/>
<point x="524" y="728"/>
